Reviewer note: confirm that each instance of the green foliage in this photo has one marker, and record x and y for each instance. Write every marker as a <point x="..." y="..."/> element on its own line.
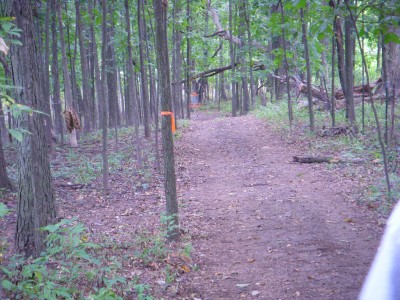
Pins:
<point x="69" y="268"/>
<point x="3" y="210"/>
<point x="152" y="247"/>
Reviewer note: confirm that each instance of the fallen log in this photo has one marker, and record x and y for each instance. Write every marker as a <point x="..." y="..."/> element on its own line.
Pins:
<point x="333" y="131"/>
<point x="301" y="87"/>
<point x="307" y="159"/>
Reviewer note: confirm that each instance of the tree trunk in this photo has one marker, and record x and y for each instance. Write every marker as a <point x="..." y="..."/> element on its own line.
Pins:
<point x="105" y="96"/>
<point x="349" y="64"/>
<point x="5" y="182"/>
<point x="84" y="69"/>
<point x="188" y="50"/>
<point x="111" y="75"/>
<point x="290" y="108"/>
<point x="36" y="203"/>
<point x="160" y="12"/>
<point x="143" y="72"/>
<point x="132" y="87"/>
<point x="46" y="79"/>
<point x="56" y="76"/>
<point x="222" y="89"/>
<point x="243" y="57"/>
<point x="177" y="64"/>
<point x="307" y="58"/>
<point x="340" y="49"/>
<point x="393" y="58"/>
<point x="232" y="56"/>
<point x="101" y="104"/>
<point x="67" y="82"/>
<point x="250" y="53"/>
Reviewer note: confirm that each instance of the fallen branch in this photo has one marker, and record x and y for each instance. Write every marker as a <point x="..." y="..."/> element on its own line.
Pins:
<point x="333" y="131"/>
<point x="326" y="159"/>
<point x="302" y="87"/>
<point x="207" y="73"/>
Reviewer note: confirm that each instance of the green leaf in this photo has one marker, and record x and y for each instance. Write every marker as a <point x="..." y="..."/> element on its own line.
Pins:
<point x="16" y="134"/>
<point x="7" y="285"/>
<point x="391" y="37"/>
<point x="300" y="3"/>
<point x="3" y="210"/>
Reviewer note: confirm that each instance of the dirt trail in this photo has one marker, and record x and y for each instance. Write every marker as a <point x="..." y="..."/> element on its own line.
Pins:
<point x="266" y="227"/>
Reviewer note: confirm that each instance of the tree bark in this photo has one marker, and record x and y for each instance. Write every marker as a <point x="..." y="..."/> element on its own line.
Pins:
<point x="105" y="95"/>
<point x="340" y="48"/>
<point x="132" y="87"/>
<point x="101" y="104"/>
<point x="46" y="79"/>
<point x="177" y="64"/>
<point x="5" y="182"/>
<point x="232" y="57"/>
<point x="67" y="82"/>
<point x="84" y="69"/>
<point x="143" y="70"/>
<point x="243" y="54"/>
<point x="307" y="58"/>
<point x="290" y="108"/>
<point x="36" y="202"/>
<point x="188" y="87"/>
<point x="160" y="13"/>
<point x="349" y="65"/>
<point x="56" y="76"/>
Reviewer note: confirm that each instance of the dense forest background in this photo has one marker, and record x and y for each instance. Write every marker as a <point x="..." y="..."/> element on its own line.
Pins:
<point x="74" y="70"/>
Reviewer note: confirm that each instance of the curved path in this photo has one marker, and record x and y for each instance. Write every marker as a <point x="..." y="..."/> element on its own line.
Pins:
<point x="266" y="227"/>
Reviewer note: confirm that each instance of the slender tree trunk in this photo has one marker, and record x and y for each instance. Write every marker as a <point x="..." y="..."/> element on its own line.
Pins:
<point x="160" y="12"/>
<point x="48" y="125"/>
<point x="349" y="64"/>
<point x="250" y="50"/>
<point x="307" y="58"/>
<point x="222" y="92"/>
<point x="232" y="55"/>
<point x="105" y="96"/>
<point x="132" y="87"/>
<point x="5" y="182"/>
<point x="290" y="108"/>
<point x="112" y="76"/>
<point x="340" y="52"/>
<point x="36" y="203"/>
<point x="177" y="64"/>
<point x="243" y="56"/>
<point x="188" y="85"/>
<point x="333" y="100"/>
<point x="67" y="82"/>
<point x="143" y="71"/>
<point x="98" y="106"/>
<point x="84" y="69"/>
<point x="386" y="84"/>
<point x="378" y="126"/>
<point x="56" y="76"/>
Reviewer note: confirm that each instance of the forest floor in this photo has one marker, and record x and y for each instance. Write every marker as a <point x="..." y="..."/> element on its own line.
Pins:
<point x="260" y="225"/>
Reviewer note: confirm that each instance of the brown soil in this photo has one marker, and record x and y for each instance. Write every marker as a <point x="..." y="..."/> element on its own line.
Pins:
<point x="261" y="226"/>
<point x="266" y="227"/>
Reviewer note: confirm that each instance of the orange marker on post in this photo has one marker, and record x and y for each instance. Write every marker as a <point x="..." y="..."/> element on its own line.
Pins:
<point x="168" y="113"/>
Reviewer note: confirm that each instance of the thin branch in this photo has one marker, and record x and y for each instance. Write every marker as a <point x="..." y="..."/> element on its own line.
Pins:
<point x="216" y="52"/>
<point x="219" y="33"/>
<point x="227" y="34"/>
